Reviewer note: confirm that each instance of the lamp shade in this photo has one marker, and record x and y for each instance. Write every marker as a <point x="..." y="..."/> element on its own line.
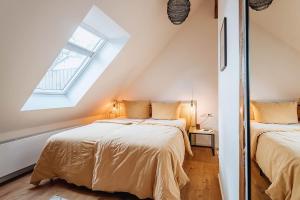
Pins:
<point x="178" y="10"/>
<point x="259" y="5"/>
<point x="115" y="107"/>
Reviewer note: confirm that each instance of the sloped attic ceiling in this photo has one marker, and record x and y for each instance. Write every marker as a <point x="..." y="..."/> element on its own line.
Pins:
<point x="34" y="31"/>
<point x="281" y="19"/>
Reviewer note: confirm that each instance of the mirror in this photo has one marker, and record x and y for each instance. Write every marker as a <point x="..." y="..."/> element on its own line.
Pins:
<point x="274" y="63"/>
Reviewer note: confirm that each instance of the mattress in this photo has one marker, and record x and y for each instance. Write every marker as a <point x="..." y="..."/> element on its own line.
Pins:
<point x="142" y="157"/>
<point x="276" y="149"/>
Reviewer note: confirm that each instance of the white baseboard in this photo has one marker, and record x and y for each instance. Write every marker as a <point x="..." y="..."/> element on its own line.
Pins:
<point x="221" y="187"/>
<point x="15" y="174"/>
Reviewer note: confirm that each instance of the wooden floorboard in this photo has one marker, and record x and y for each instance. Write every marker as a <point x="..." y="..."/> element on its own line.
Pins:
<point x="259" y="183"/>
<point x="202" y="170"/>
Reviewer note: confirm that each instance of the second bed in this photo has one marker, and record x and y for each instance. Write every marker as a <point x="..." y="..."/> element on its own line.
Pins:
<point x="276" y="150"/>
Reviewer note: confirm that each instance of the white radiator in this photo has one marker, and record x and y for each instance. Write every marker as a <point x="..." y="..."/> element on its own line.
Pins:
<point x="19" y="154"/>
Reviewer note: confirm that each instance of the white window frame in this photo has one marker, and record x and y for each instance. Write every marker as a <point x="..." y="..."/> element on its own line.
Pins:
<point x="77" y="49"/>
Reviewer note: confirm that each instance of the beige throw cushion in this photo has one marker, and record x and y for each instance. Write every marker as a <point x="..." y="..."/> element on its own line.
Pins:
<point x="137" y="109"/>
<point x="162" y="110"/>
<point x="275" y="112"/>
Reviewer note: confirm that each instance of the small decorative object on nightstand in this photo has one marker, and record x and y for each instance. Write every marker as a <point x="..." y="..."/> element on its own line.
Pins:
<point x="210" y="132"/>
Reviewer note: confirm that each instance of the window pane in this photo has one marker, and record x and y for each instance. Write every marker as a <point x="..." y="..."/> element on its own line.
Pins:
<point x="85" y="39"/>
<point x="70" y="62"/>
<point x="68" y="59"/>
<point x="63" y="70"/>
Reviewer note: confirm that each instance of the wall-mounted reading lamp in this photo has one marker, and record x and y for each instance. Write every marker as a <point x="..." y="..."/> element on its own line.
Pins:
<point x="115" y="108"/>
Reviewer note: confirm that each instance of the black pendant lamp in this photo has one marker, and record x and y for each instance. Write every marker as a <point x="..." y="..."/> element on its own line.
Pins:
<point x="178" y="10"/>
<point x="259" y="5"/>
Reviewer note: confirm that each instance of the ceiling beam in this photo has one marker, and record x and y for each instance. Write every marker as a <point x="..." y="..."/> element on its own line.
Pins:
<point x="216" y="9"/>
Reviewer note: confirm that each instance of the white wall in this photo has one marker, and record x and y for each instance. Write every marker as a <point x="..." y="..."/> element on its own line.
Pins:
<point x="229" y="84"/>
<point x="17" y="134"/>
<point x="282" y="20"/>
<point x="275" y="66"/>
<point x="188" y="65"/>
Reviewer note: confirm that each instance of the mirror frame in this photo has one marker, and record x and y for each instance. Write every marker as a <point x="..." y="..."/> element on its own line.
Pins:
<point x="244" y="140"/>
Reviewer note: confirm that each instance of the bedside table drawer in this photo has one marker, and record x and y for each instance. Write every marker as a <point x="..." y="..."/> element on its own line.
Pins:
<point x="203" y="140"/>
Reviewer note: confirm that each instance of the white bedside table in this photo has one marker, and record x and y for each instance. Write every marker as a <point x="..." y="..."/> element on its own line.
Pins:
<point x="209" y="132"/>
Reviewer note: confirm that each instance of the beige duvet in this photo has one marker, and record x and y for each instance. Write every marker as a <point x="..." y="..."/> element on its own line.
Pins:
<point x="276" y="149"/>
<point x="143" y="158"/>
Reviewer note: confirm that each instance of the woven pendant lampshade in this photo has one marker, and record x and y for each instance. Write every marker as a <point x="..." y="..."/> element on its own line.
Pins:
<point x="259" y="5"/>
<point x="178" y="10"/>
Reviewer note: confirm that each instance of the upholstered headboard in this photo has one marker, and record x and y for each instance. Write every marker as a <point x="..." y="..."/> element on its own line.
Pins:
<point x="186" y="111"/>
<point x="298" y="111"/>
<point x="251" y="112"/>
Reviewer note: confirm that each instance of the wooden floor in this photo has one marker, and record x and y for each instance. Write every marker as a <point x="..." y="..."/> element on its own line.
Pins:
<point x="259" y="184"/>
<point x="202" y="169"/>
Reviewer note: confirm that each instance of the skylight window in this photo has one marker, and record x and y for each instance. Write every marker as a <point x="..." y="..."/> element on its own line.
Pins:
<point x="71" y="61"/>
<point x="87" y="53"/>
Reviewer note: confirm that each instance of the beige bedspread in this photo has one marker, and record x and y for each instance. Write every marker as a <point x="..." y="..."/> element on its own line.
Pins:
<point x="143" y="158"/>
<point x="276" y="149"/>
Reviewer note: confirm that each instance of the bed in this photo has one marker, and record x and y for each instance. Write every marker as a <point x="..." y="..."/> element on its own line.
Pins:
<point x="276" y="150"/>
<point x="141" y="157"/>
